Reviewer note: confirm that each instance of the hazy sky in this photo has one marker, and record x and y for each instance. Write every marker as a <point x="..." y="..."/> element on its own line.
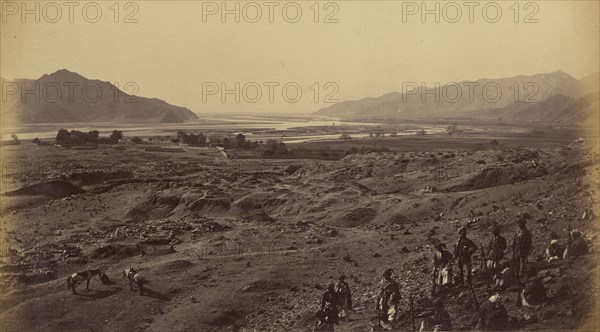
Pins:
<point x="372" y="49"/>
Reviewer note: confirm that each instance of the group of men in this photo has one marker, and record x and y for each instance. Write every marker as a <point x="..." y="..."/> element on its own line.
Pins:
<point x="335" y="305"/>
<point x="503" y="274"/>
<point x="337" y="299"/>
<point x="465" y="248"/>
<point x="576" y="247"/>
<point x="500" y="274"/>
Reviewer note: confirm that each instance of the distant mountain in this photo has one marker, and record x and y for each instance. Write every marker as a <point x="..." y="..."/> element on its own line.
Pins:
<point x="551" y="97"/>
<point x="591" y="83"/>
<point x="66" y="96"/>
<point x="558" y="109"/>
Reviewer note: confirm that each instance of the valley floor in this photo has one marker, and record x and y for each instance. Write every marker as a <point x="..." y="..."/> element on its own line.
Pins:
<point x="250" y="244"/>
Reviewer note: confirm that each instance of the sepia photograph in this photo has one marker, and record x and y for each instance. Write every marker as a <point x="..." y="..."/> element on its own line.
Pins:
<point x="307" y="165"/>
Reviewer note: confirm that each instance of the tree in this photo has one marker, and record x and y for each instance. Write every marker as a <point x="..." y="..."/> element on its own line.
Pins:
<point x="93" y="136"/>
<point x="78" y="137"/>
<point x="116" y="135"/>
<point x="274" y="146"/>
<point x="63" y="136"/>
<point x="201" y="139"/>
<point x="240" y="140"/>
<point x="345" y="136"/>
<point x="37" y="141"/>
<point x="15" y="138"/>
<point x="136" y="140"/>
<point x="182" y="136"/>
<point x="191" y="139"/>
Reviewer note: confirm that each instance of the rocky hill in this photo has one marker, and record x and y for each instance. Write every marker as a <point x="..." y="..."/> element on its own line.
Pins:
<point x="65" y="96"/>
<point x="555" y="97"/>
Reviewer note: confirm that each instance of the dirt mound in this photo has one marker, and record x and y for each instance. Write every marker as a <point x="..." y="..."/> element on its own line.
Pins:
<point x="291" y="169"/>
<point x="258" y="216"/>
<point x="93" y="177"/>
<point x="173" y="266"/>
<point x="495" y="176"/>
<point x="356" y="217"/>
<point x="155" y="207"/>
<point x="398" y="219"/>
<point x="523" y="155"/>
<point x="259" y="200"/>
<point x="119" y="250"/>
<point x="211" y="200"/>
<point x="55" y="188"/>
<point x="576" y="169"/>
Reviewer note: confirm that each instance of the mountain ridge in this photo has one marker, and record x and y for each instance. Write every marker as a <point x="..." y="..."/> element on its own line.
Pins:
<point x="477" y="100"/>
<point x="66" y="96"/>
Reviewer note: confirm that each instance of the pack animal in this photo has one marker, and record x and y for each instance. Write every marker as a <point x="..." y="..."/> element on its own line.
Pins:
<point x="86" y="275"/>
<point x="134" y="278"/>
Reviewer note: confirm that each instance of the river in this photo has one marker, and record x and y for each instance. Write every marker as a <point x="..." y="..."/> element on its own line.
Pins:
<point x="235" y="124"/>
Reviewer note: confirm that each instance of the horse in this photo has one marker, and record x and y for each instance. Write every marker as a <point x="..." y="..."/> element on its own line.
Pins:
<point x="86" y="275"/>
<point x="134" y="278"/>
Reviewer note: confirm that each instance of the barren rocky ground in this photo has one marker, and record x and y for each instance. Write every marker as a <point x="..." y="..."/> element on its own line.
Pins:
<point x="251" y="244"/>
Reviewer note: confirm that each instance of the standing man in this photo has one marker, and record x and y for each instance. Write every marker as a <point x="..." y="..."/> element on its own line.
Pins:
<point x="344" y="295"/>
<point x="442" y="267"/>
<point x="387" y="301"/>
<point x="496" y="248"/>
<point x="464" y="248"/>
<point x="521" y="247"/>
<point x="328" y="315"/>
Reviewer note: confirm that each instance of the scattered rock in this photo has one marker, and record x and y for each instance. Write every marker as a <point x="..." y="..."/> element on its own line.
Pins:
<point x="118" y="250"/>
